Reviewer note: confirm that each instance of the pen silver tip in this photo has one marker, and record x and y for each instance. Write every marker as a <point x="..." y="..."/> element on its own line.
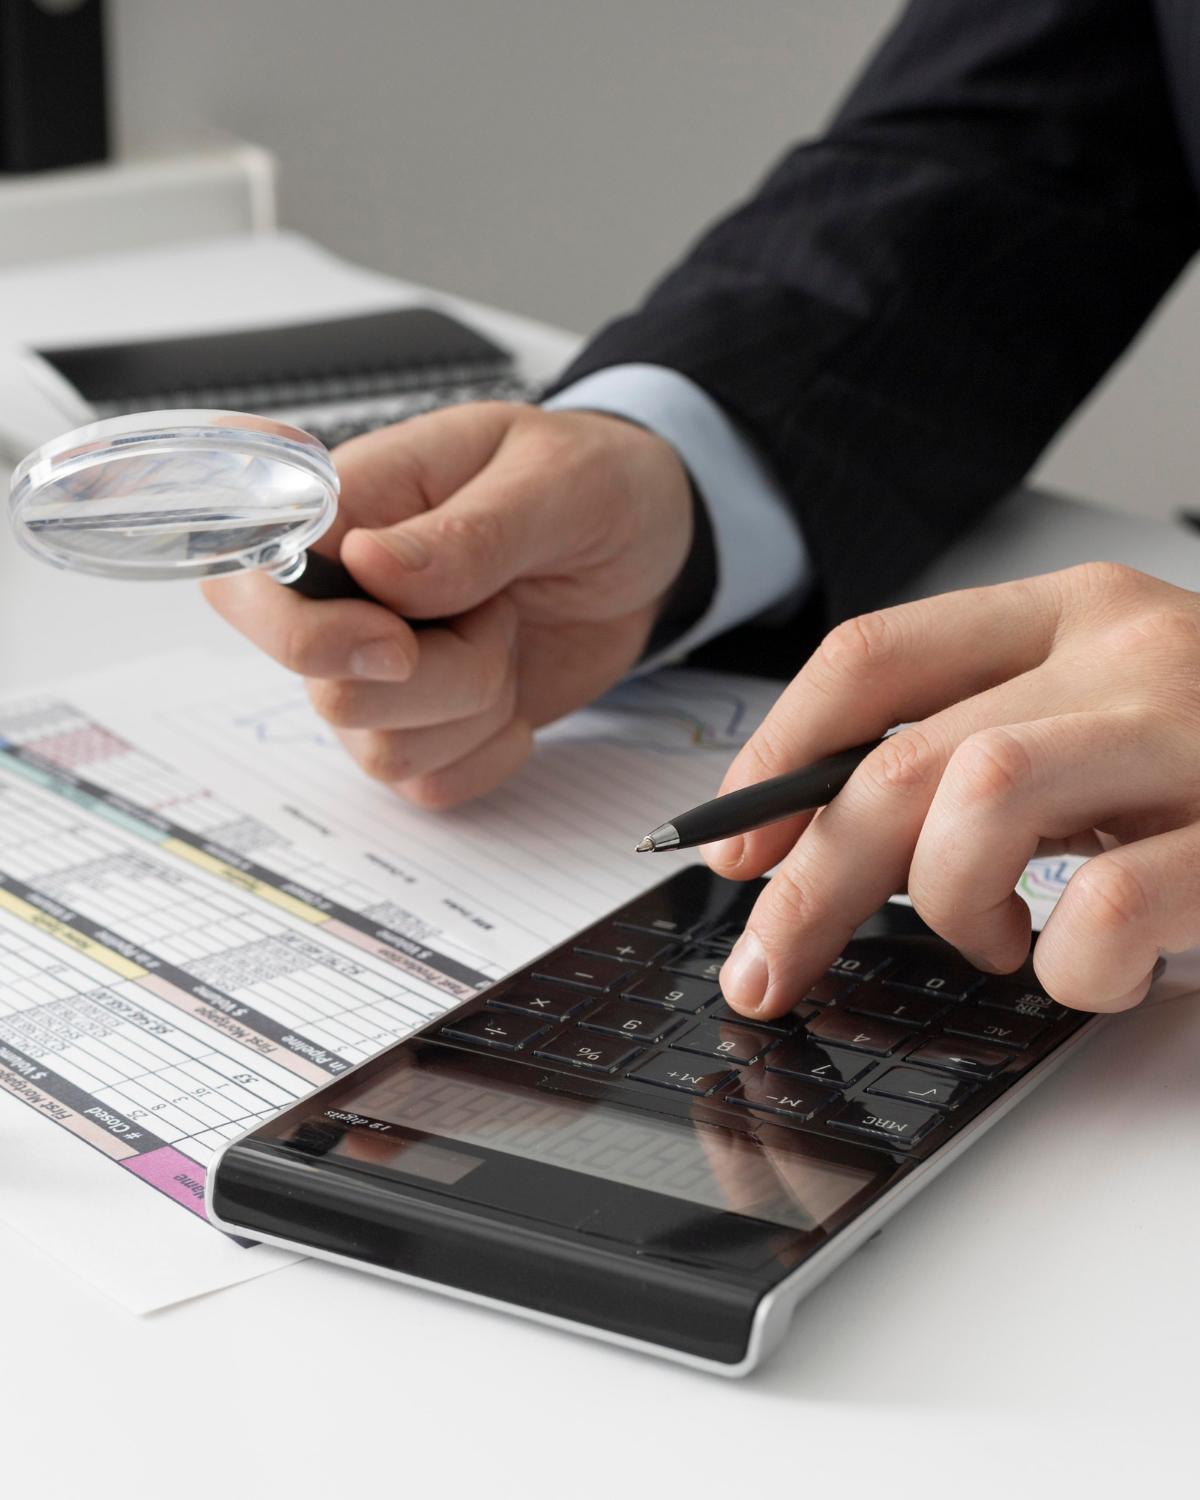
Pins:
<point x="646" y="846"/>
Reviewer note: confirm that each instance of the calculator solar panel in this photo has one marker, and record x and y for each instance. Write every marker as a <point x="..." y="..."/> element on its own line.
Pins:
<point x="600" y="1139"/>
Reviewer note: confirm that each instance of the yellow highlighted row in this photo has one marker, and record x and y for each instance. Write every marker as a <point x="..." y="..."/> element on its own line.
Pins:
<point x="245" y="882"/>
<point x="77" y="940"/>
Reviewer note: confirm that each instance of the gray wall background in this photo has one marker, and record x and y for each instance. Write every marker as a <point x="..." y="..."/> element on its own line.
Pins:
<point x="552" y="156"/>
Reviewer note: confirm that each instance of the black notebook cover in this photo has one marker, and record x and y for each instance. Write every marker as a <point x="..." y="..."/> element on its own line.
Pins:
<point x="395" y="350"/>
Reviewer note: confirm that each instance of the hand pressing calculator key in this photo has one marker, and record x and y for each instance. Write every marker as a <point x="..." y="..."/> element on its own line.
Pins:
<point x="600" y="1142"/>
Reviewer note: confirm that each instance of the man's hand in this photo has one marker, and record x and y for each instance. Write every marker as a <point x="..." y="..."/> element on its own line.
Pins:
<point x="543" y="544"/>
<point x="1062" y="711"/>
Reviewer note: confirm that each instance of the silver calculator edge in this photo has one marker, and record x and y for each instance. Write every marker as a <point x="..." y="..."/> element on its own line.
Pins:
<point x="774" y="1314"/>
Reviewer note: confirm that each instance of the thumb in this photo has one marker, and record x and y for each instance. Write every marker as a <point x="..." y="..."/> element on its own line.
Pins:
<point x="500" y="525"/>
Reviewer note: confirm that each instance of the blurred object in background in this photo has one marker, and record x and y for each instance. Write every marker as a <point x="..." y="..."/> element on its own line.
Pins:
<point x="53" y="109"/>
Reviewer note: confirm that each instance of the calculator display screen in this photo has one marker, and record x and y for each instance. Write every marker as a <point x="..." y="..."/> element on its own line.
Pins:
<point x="703" y="1166"/>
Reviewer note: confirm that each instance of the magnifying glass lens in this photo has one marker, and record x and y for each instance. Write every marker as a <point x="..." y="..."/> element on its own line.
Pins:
<point x="176" y="494"/>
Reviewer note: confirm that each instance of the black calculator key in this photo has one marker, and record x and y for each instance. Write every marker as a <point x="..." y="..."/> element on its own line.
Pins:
<point x="541" y="1000"/>
<point x="723" y="1011"/>
<point x="779" y="1096"/>
<point x="656" y="912"/>
<point x="1021" y="999"/>
<point x="830" y="989"/>
<point x="888" y="1123"/>
<point x="723" y="938"/>
<point x="641" y="1022"/>
<point x="581" y="969"/>
<point x="859" y="1032"/>
<point x="893" y="1005"/>
<point x="676" y="1070"/>
<point x="922" y="1088"/>
<point x="698" y="965"/>
<point x="1003" y="1027"/>
<point x="861" y="961"/>
<point x="625" y="944"/>
<point x="936" y="975"/>
<point x="508" y="1033"/>
<point x="971" y="1059"/>
<point x="803" y="1058"/>
<point x="675" y="991"/>
<point x="717" y="1039"/>
<point x="598" y="1054"/>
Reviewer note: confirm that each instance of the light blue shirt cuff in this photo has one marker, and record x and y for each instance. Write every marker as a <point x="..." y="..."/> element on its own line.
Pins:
<point x="761" y="556"/>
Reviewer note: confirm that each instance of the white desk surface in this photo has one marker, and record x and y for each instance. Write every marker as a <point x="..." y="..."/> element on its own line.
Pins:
<point x="1026" y="1326"/>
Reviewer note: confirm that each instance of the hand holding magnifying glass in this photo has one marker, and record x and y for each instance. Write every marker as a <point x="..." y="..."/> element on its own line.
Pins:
<point x="535" y="550"/>
<point x="183" y="494"/>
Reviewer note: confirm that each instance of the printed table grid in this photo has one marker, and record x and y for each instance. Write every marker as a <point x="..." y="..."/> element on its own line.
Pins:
<point x="219" y="1003"/>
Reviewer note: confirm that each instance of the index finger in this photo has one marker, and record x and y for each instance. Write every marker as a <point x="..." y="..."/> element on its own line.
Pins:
<point x="317" y="638"/>
<point x="400" y="471"/>
<point x="878" y="670"/>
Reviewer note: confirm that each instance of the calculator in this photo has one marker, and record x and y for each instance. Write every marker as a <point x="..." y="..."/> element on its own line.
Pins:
<point x="600" y="1142"/>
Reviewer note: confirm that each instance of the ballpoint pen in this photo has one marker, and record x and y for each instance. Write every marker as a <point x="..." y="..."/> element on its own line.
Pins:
<point x="764" y="802"/>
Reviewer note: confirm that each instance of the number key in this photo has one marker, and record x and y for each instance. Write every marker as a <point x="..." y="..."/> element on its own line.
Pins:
<point x="861" y="961"/>
<point x="893" y="1005"/>
<point x="936" y="975"/>
<point x="638" y="1021"/>
<point x="723" y="1011"/>
<point x="859" y="1032"/>
<point x="698" y="965"/>
<point x="805" y="1059"/>
<point x="713" y="1039"/>
<point x="676" y="992"/>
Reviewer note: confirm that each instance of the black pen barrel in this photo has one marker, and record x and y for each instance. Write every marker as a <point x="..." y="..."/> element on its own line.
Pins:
<point x="768" y="801"/>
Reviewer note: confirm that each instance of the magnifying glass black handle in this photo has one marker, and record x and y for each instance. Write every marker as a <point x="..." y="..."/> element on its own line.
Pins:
<point x="325" y="578"/>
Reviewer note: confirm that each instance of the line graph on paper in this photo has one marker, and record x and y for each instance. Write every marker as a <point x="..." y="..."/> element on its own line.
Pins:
<point x="536" y="859"/>
<point x="668" y="714"/>
<point x="288" y="722"/>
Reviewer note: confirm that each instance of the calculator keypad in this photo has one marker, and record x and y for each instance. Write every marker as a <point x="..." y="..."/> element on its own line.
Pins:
<point x="894" y="1048"/>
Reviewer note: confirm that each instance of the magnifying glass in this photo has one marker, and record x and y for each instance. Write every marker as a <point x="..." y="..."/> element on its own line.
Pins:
<point x="182" y="494"/>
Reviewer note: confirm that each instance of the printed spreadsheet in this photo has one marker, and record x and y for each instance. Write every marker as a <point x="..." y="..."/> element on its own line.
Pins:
<point x="167" y="976"/>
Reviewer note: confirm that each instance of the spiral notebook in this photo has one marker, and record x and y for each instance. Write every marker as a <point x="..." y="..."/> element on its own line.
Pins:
<point x="336" y="377"/>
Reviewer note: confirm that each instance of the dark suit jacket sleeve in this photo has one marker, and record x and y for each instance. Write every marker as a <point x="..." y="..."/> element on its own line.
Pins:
<point x="909" y="307"/>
